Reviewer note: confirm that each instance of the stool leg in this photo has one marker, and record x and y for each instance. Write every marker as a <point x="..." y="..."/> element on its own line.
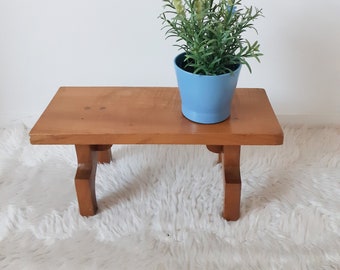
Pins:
<point x="85" y="179"/>
<point x="104" y="154"/>
<point x="216" y="149"/>
<point x="232" y="182"/>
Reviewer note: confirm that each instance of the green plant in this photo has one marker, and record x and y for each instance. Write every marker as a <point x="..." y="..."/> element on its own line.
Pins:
<point x="211" y="33"/>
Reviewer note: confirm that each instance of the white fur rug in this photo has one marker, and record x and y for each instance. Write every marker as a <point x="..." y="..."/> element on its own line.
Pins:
<point x="160" y="207"/>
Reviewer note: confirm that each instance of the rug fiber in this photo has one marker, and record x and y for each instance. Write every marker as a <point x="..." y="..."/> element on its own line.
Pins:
<point x="160" y="207"/>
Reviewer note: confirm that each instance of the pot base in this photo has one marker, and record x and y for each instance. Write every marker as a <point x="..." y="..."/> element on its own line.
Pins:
<point x="202" y="118"/>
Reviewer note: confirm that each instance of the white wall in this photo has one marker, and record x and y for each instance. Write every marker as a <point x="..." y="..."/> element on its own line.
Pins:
<point x="45" y="44"/>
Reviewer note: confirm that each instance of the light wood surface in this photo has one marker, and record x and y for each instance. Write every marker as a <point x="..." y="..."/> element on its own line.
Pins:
<point x="150" y="115"/>
<point x="94" y="118"/>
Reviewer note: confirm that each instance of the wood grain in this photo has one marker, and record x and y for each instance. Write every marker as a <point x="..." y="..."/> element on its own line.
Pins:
<point x="150" y="115"/>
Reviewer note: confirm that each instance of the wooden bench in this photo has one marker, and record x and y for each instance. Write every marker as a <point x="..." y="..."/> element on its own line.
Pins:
<point x="95" y="118"/>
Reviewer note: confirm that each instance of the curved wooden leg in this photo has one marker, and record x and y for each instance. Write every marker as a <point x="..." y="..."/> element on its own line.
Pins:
<point x="229" y="155"/>
<point x="232" y="182"/>
<point x="216" y="149"/>
<point x="104" y="154"/>
<point x="85" y="179"/>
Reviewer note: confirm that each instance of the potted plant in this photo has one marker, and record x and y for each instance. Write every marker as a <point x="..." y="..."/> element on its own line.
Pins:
<point x="210" y="35"/>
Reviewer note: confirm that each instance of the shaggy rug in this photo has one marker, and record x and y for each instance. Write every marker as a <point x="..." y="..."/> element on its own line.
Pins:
<point x="160" y="207"/>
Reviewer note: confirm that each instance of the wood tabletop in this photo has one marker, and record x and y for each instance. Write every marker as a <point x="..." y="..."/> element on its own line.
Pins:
<point x="150" y="115"/>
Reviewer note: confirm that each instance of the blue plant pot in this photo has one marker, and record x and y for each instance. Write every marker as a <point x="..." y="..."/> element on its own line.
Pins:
<point x="205" y="99"/>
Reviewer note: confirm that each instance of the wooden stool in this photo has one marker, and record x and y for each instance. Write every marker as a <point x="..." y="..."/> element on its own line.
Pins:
<point x="94" y="118"/>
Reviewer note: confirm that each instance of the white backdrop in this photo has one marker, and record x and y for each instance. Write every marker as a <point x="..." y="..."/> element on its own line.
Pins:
<point x="45" y="44"/>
